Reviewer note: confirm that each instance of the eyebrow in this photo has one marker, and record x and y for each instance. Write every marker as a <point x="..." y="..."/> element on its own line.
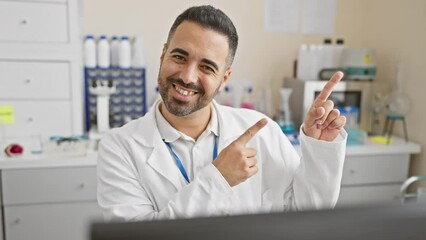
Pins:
<point x="205" y="60"/>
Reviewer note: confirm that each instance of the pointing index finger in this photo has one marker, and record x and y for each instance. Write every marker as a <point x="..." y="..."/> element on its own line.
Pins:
<point x="251" y="131"/>
<point x="328" y="88"/>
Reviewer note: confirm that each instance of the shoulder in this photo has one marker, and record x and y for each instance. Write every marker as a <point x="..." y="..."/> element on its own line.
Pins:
<point x="241" y="119"/>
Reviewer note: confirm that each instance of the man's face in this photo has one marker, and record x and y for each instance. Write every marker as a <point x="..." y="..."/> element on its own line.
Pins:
<point x="193" y="68"/>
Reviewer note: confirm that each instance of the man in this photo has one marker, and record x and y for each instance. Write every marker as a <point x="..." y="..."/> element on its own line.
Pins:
<point x="191" y="157"/>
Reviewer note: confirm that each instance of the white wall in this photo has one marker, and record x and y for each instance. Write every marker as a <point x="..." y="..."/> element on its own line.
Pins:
<point x="394" y="28"/>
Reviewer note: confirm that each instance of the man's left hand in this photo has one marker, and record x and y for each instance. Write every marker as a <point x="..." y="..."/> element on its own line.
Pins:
<point x="322" y="121"/>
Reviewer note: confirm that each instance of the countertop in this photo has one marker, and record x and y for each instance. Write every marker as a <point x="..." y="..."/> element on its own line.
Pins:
<point x="398" y="146"/>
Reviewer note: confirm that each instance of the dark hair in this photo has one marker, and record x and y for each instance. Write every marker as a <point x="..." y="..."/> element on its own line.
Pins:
<point x="211" y="18"/>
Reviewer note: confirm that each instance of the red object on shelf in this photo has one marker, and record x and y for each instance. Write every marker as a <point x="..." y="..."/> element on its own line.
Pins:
<point x="14" y="150"/>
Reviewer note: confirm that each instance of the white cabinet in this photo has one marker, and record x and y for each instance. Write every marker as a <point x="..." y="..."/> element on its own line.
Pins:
<point x="33" y="22"/>
<point x="373" y="173"/>
<point x="49" y="203"/>
<point x="373" y="179"/>
<point x="41" y="67"/>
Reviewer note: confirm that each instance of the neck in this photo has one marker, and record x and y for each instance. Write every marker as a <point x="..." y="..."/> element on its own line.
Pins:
<point x="192" y="125"/>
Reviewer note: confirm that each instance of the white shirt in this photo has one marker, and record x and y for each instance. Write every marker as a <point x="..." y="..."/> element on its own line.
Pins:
<point x="194" y="155"/>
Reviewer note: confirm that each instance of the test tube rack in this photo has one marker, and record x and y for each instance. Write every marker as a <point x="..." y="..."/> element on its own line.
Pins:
<point x="127" y="103"/>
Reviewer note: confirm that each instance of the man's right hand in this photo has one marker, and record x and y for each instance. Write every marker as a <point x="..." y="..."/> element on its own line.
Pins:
<point x="237" y="162"/>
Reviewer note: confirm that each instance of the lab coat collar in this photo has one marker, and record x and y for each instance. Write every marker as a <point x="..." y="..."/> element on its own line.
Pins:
<point x="231" y="131"/>
<point x="147" y="134"/>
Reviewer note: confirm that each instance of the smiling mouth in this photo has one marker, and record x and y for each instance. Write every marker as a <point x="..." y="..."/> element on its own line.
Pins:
<point x="184" y="91"/>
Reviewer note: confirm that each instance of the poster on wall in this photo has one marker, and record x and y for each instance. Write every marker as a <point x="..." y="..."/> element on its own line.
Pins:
<point x="309" y="17"/>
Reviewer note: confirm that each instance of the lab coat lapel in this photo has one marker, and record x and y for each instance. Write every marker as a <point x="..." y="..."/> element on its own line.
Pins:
<point x="229" y="130"/>
<point x="160" y="158"/>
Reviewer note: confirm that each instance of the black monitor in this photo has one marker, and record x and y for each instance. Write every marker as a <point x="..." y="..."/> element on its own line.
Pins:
<point x="390" y="222"/>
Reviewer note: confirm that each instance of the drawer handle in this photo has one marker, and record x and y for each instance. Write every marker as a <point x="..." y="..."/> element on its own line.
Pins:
<point x="28" y="80"/>
<point x="24" y="21"/>
<point x="352" y="171"/>
<point x="81" y="185"/>
<point x="30" y="119"/>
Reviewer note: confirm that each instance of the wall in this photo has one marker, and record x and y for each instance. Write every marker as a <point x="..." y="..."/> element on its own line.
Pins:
<point x="394" y="28"/>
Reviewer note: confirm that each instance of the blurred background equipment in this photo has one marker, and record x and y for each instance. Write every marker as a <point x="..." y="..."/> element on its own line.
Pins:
<point x="119" y="69"/>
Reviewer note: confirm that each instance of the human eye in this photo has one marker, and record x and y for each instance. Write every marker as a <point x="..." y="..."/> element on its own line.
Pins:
<point x="178" y="57"/>
<point x="207" y="68"/>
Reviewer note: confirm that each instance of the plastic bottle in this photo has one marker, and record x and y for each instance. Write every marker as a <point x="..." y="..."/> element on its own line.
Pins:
<point x="327" y="55"/>
<point x="303" y="63"/>
<point x="124" y="53"/>
<point x="226" y="97"/>
<point x="154" y="98"/>
<point x="90" y="52"/>
<point x="138" y="56"/>
<point x="103" y="52"/>
<point x="315" y="51"/>
<point x="337" y="53"/>
<point x="247" y="100"/>
<point x="114" y="51"/>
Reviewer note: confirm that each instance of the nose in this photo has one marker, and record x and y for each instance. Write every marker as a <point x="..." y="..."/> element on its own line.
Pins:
<point x="189" y="73"/>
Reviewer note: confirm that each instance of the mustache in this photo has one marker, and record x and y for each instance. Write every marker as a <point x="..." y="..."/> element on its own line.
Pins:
<point x="191" y="86"/>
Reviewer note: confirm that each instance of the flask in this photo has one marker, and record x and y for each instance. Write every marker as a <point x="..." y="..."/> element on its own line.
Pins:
<point x="90" y="52"/>
<point x="103" y="52"/>
<point x="124" y="53"/>
<point x="247" y="99"/>
<point x="114" y="51"/>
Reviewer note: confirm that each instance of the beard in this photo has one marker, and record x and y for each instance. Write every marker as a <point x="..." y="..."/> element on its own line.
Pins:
<point x="182" y="108"/>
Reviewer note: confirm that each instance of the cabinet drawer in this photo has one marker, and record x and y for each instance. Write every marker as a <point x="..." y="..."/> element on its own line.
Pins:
<point x="34" y="80"/>
<point x="68" y="221"/>
<point x="37" y="22"/>
<point x="39" y="117"/>
<point x="375" y="169"/>
<point x="48" y="185"/>
<point x="375" y="194"/>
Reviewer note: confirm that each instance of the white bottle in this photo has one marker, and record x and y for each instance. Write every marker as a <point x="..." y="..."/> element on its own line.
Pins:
<point x="247" y="99"/>
<point x="103" y="52"/>
<point x="124" y="53"/>
<point x="226" y="97"/>
<point x="154" y="98"/>
<point x="114" y="51"/>
<point x="314" y="53"/>
<point x="138" y="57"/>
<point x="303" y="63"/>
<point x="327" y="55"/>
<point x="90" y="52"/>
<point x="338" y="50"/>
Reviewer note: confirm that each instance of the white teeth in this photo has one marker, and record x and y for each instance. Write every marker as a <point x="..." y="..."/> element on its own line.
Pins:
<point x="184" y="92"/>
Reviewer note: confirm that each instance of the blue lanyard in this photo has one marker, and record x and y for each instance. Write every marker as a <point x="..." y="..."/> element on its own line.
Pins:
<point x="179" y="162"/>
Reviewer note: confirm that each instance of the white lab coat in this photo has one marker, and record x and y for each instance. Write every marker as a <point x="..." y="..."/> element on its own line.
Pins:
<point x="138" y="178"/>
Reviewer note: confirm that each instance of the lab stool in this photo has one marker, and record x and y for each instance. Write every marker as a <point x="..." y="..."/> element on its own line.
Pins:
<point x="390" y="120"/>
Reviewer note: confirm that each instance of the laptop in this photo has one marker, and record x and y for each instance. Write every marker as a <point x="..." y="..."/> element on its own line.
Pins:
<point x="390" y="222"/>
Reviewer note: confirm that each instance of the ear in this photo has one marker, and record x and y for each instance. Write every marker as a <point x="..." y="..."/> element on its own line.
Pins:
<point x="163" y="52"/>
<point x="226" y="77"/>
